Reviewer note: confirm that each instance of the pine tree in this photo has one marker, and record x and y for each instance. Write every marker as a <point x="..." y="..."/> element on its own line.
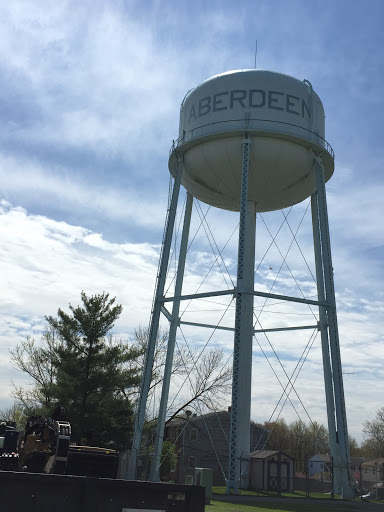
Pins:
<point x="94" y="376"/>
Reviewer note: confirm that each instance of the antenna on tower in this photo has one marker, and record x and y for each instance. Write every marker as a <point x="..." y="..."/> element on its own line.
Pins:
<point x="255" y="53"/>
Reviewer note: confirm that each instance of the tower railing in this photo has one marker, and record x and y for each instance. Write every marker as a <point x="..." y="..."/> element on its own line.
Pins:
<point x="254" y="125"/>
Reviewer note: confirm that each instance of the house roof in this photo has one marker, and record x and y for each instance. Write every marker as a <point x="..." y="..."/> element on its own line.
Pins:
<point x="374" y="462"/>
<point x="183" y="419"/>
<point x="264" y="454"/>
<point x="221" y="414"/>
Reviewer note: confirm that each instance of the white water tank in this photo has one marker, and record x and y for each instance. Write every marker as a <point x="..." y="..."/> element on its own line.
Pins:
<point x="283" y="118"/>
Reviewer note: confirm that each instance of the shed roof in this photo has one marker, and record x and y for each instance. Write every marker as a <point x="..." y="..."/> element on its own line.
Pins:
<point x="374" y="462"/>
<point x="264" y="454"/>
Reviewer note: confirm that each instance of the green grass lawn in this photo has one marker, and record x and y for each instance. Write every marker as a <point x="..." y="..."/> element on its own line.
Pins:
<point x="296" y="494"/>
<point x="265" y="502"/>
<point x="219" y="506"/>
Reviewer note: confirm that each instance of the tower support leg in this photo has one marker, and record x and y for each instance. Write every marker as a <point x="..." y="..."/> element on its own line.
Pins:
<point x="337" y="376"/>
<point x="323" y="328"/>
<point x="154" y="325"/>
<point x="155" y="466"/>
<point x="238" y="476"/>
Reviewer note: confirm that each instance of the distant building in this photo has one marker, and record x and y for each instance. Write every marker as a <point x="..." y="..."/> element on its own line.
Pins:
<point x="203" y="441"/>
<point x="321" y="463"/>
<point x="372" y="474"/>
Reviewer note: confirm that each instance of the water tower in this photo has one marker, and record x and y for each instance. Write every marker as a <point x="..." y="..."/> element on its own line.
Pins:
<point x="251" y="141"/>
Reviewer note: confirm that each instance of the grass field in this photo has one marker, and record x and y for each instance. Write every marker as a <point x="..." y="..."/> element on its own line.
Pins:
<point x="296" y="494"/>
<point x="299" y="506"/>
<point x="250" y="501"/>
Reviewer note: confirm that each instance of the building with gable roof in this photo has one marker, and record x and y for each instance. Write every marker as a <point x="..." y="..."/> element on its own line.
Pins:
<point x="203" y="441"/>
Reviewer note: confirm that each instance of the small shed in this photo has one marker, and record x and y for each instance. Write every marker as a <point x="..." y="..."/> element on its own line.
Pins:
<point x="319" y="463"/>
<point x="271" y="470"/>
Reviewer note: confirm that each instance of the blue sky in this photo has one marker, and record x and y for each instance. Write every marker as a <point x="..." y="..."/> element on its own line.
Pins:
<point x="89" y="105"/>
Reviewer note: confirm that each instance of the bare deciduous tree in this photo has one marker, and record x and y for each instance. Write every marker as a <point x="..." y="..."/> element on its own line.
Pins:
<point x="14" y="413"/>
<point x="373" y="445"/>
<point x="140" y="339"/>
<point x="209" y="383"/>
<point x="375" y="428"/>
<point x="38" y="361"/>
<point x="203" y="377"/>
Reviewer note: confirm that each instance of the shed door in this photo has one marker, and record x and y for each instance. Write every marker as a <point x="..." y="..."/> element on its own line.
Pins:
<point x="273" y="475"/>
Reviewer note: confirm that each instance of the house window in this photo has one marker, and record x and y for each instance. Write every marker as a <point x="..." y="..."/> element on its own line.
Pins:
<point x="321" y="467"/>
<point x="191" y="462"/>
<point x="193" y="434"/>
<point x="176" y="433"/>
<point x="311" y="465"/>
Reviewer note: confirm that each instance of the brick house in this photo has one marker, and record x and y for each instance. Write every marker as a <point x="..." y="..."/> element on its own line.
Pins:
<point x="203" y="441"/>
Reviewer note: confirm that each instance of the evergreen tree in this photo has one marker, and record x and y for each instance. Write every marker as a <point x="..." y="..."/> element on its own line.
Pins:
<point x="93" y="377"/>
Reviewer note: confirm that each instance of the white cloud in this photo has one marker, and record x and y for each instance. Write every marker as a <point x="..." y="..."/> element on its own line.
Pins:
<point x="46" y="262"/>
<point x="56" y="189"/>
